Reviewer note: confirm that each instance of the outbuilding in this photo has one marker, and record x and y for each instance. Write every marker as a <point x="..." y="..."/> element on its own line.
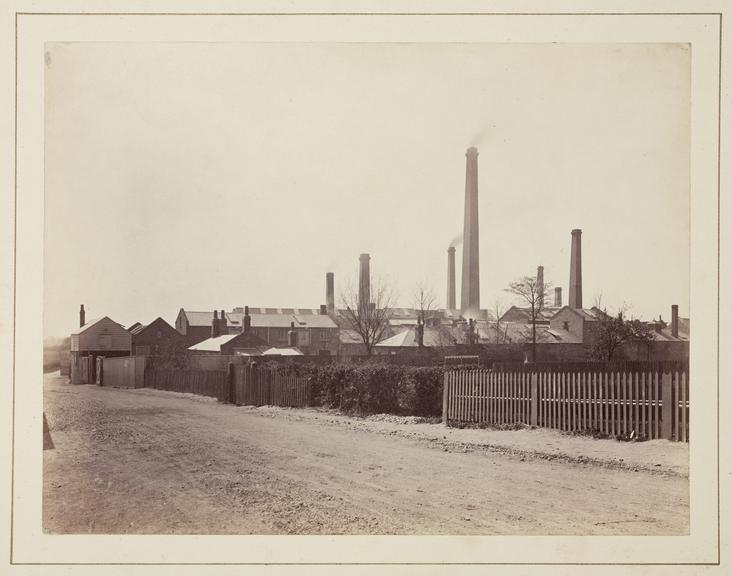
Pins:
<point x="94" y="339"/>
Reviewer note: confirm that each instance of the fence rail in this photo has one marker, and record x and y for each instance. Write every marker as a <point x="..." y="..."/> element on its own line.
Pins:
<point x="647" y="403"/>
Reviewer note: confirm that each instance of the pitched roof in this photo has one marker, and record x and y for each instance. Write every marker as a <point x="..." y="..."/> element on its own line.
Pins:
<point x="282" y="352"/>
<point x="590" y="314"/>
<point x="212" y="344"/>
<point x="198" y="318"/>
<point x="407" y="338"/>
<point x="133" y="326"/>
<point x="91" y="323"/>
<point x="136" y="328"/>
<point x="277" y="320"/>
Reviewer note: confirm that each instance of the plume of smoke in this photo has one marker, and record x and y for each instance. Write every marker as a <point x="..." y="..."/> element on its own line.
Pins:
<point x="457" y="241"/>
<point x="481" y="136"/>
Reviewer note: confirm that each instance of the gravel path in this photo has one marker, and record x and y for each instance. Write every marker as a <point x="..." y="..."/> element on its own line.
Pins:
<point x="145" y="461"/>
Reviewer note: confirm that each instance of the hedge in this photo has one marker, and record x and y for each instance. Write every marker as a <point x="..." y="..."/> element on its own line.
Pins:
<point x="376" y="388"/>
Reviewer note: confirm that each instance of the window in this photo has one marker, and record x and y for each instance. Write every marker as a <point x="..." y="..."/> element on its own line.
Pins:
<point x="565" y="325"/>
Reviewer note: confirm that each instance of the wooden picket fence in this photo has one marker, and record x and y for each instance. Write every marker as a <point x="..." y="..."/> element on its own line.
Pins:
<point x="212" y="383"/>
<point x="263" y="386"/>
<point x="649" y="402"/>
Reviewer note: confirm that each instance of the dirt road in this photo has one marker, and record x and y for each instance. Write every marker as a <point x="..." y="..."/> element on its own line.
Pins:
<point x="145" y="461"/>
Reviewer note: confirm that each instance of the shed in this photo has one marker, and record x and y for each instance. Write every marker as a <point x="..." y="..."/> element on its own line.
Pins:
<point x="97" y="338"/>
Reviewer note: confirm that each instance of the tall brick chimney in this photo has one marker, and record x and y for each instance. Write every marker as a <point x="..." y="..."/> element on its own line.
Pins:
<point x="675" y="320"/>
<point x="540" y="286"/>
<point x="330" y="292"/>
<point x="470" y="286"/>
<point x="558" y="297"/>
<point x="364" y="282"/>
<point x="82" y="317"/>
<point x="575" y="271"/>
<point x="451" y="278"/>
<point x="215" y="325"/>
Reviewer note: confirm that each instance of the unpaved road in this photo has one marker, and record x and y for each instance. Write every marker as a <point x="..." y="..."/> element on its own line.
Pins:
<point x="145" y="461"/>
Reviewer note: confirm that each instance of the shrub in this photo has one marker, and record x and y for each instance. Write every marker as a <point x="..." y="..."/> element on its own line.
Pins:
<point x="376" y="388"/>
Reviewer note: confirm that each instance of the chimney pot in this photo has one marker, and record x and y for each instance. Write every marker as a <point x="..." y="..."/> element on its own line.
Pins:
<point x="82" y="317"/>
<point x="247" y="320"/>
<point x="292" y="336"/>
<point x="323" y="309"/>
<point x="215" y="327"/>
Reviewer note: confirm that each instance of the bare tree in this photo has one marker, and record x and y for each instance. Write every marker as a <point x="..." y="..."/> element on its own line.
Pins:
<point x="614" y="331"/>
<point x="532" y="293"/>
<point x="425" y="301"/>
<point x="499" y="310"/>
<point x="370" y="320"/>
<point x="597" y="302"/>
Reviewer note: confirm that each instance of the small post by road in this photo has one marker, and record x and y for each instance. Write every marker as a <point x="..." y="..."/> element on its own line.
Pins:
<point x="534" y="399"/>
<point x="444" y="397"/>
<point x="231" y="386"/>
<point x="666" y="406"/>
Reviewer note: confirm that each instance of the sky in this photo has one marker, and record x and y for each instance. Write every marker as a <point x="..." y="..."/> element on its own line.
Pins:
<point x="202" y="176"/>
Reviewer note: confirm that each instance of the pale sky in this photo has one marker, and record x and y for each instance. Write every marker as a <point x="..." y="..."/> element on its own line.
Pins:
<point x="218" y="175"/>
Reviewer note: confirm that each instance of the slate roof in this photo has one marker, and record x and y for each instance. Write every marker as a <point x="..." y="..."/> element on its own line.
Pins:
<point x="268" y="318"/>
<point x="407" y="338"/>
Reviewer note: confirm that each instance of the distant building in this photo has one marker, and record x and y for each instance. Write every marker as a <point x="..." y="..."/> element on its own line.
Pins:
<point x="194" y="326"/>
<point x="154" y="338"/>
<point x="316" y="332"/>
<point x="579" y="323"/>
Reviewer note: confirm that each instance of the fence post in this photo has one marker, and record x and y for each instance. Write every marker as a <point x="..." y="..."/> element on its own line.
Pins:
<point x="666" y="406"/>
<point x="230" y="381"/>
<point x="444" y="397"/>
<point x="534" y="399"/>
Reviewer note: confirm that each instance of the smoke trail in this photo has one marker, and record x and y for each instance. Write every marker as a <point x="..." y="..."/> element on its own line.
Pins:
<point x="457" y="241"/>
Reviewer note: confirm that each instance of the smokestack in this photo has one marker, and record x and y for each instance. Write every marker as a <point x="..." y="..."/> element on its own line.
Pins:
<point x="247" y="320"/>
<point x="224" y="329"/>
<point x="575" y="271"/>
<point x="364" y="282"/>
<point x="82" y="317"/>
<point x="470" y="285"/>
<point x="540" y="286"/>
<point x="451" y="278"/>
<point x="330" y="292"/>
<point x="215" y="325"/>
<point x="292" y="336"/>
<point x="675" y="320"/>
<point x="558" y="297"/>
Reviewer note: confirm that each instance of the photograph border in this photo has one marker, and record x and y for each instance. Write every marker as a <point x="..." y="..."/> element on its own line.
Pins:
<point x="24" y="14"/>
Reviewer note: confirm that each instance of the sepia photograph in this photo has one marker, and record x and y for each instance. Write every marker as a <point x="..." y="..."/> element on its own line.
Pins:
<point x="367" y="288"/>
